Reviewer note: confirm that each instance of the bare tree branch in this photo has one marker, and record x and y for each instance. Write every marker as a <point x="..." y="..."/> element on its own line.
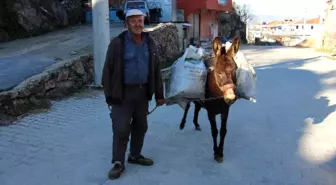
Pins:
<point x="243" y="12"/>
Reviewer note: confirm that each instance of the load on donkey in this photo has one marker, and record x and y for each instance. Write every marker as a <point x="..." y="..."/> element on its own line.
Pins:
<point x="214" y="84"/>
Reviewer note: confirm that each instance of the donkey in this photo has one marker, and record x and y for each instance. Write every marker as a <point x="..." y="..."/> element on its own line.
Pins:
<point x="220" y="93"/>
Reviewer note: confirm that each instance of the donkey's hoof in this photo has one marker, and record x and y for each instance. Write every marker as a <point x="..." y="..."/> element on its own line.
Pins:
<point x="198" y="128"/>
<point x="218" y="158"/>
<point x="181" y="127"/>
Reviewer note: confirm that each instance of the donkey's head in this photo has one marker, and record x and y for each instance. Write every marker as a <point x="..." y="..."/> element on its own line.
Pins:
<point x="225" y="68"/>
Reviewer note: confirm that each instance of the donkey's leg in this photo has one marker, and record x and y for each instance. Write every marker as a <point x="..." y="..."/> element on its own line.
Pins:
<point x="184" y="116"/>
<point x="223" y="131"/>
<point x="197" y="110"/>
<point x="214" y="131"/>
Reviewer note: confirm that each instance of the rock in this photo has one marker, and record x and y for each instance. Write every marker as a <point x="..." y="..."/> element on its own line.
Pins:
<point x="74" y="9"/>
<point x="38" y="16"/>
<point x="63" y="89"/>
<point x="66" y="85"/>
<point x="166" y="38"/>
<point x="78" y="68"/>
<point x="24" y="18"/>
<point x="63" y="75"/>
<point x="49" y="85"/>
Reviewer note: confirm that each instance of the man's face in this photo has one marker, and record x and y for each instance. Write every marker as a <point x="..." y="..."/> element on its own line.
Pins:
<point x="135" y="24"/>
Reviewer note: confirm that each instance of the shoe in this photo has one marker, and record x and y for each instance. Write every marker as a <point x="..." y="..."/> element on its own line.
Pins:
<point x="141" y="160"/>
<point x="116" y="171"/>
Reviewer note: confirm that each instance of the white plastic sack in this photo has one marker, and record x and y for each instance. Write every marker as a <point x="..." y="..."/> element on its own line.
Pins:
<point x="246" y="78"/>
<point x="187" y="79"/>
<point x="194" y="53"/>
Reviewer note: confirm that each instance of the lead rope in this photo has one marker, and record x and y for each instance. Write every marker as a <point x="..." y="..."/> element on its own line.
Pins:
<point x="200" y="101"/>
<point x="150" y="112"/>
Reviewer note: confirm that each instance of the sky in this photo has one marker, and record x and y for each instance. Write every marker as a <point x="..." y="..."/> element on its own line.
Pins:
<point x="285" y="8"/>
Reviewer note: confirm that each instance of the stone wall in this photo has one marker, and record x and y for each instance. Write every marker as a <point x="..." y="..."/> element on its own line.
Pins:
<point x="57" y="81"/>
<point x="167" y="40"/>
<point x="66" y="77"/>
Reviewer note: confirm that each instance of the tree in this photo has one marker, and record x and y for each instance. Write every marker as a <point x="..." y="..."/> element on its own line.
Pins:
<point x="234" y="23"/>
<point x="243" y="12"/>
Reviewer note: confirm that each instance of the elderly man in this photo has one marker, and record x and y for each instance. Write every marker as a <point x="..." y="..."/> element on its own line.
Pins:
<point x="131" y="76"/>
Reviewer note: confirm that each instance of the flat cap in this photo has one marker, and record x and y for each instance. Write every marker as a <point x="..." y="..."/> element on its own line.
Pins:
<point x="133" y="12"/>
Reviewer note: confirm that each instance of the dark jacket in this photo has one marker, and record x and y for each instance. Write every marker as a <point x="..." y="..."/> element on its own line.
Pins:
<point x="113" y="71"/>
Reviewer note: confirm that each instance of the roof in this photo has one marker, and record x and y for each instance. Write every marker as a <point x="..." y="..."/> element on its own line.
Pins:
<point x="274" y="23"/>
<point x="310" y="21"/>
<point x="259" y="23"/>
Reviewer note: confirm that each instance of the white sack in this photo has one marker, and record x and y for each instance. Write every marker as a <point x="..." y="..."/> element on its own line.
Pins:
<point x="246" y="78"/>
<point x="188" y="78"/>
<point x="245" y="74"/>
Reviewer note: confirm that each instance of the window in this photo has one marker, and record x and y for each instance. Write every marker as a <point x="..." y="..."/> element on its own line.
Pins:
<point x="312" y="27"/>
<point x="297" y="27"/>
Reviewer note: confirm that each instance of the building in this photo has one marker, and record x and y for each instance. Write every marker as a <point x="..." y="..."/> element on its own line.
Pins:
<point x="203" y="15"/>
<point x="289" y="27"/>
<point x="254" y="31"/>
<point x="329" y="28"/>
<point x="312" y="27"/>
<point x="280" y="27"/>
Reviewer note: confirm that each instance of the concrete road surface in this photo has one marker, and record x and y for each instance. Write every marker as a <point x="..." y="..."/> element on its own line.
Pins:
<point x="286" y="138"/>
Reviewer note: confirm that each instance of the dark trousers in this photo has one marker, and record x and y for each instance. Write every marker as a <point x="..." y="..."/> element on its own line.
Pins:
<point x="129" y="118"/>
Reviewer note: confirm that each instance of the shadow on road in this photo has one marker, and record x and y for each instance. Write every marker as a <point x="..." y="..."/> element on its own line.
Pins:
<point x="264" y="140"/>
<point x="296" y="88"/>
<point x="287" y="98"/>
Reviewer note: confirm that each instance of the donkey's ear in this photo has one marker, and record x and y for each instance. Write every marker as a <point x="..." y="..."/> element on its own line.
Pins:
<point x="233" y="50"/>
<point x="217" y="47"/>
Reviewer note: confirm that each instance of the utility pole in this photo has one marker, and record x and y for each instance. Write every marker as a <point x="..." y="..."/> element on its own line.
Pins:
<point x="174" y="11"/>
<point x="101" y="36"/>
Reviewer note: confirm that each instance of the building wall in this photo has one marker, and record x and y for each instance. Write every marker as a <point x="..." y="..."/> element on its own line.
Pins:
<point x="213" y="5"/>
<point x="195" y="6"/>
<point x="308" y="29"/>
<point x="190" y="6"/>
<point x="208" y="25"/>
<point x="209" y="13"/>
<point x="329" y="35"/>
<point x="193" y="30"/>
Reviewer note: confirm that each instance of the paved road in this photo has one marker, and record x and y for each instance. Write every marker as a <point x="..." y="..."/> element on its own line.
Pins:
<point x="24" y="58"/>
<point x="286" y="138"/>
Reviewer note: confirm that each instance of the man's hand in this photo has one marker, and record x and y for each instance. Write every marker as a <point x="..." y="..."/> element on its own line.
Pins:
<point x="160" y="102"/>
